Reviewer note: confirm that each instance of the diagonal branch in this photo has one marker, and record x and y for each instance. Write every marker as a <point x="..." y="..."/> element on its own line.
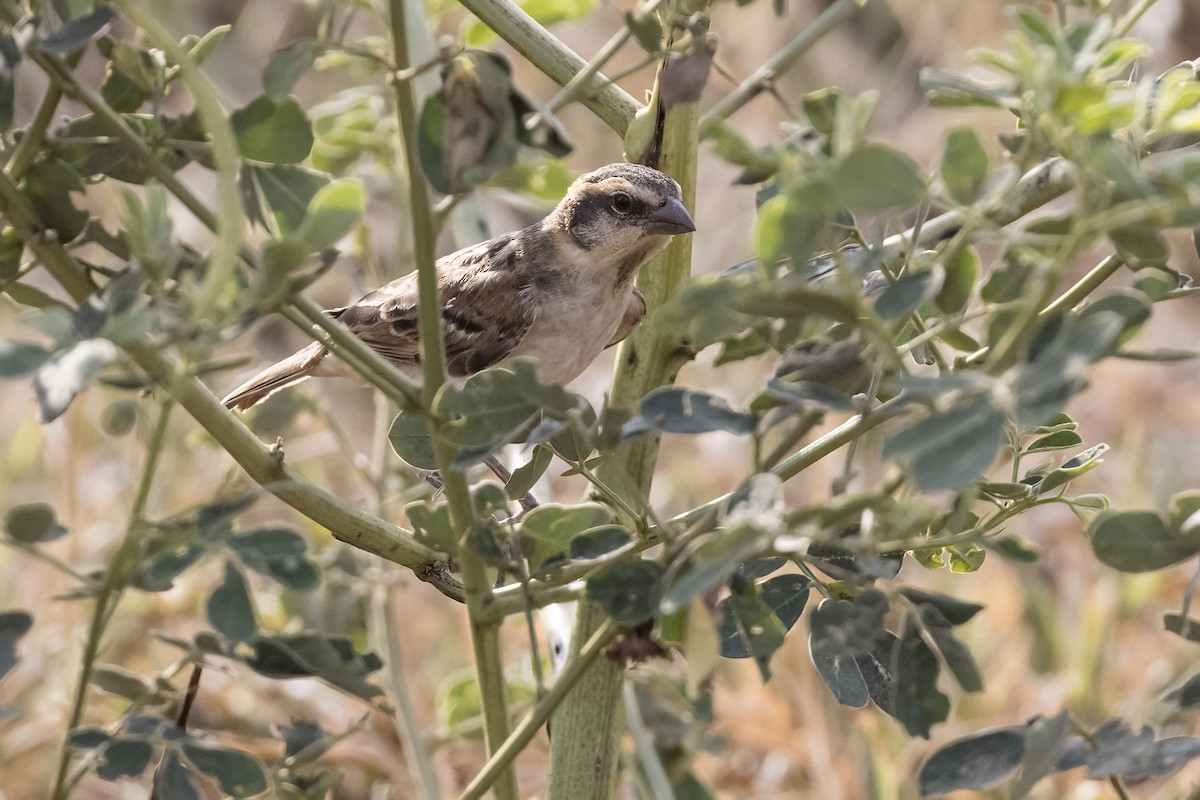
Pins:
<point x="560" y="63"/>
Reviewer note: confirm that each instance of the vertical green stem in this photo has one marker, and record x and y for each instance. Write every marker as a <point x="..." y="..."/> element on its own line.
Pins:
<point x="585" y="748"/>
<point x="485" y="634"/>
<point x="109" y="593"/>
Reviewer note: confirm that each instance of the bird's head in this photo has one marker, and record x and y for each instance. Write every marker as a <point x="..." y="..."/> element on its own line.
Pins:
<point x="622" y="214"/>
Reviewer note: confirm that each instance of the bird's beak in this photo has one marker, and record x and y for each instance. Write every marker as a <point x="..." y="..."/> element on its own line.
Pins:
<point x="670" y="219"/>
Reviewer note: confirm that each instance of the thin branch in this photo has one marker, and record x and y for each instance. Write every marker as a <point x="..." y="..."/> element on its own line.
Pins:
<point x="109" y="593"/>
<point x="644" y="750"/>
<point x="764" y="77"/>
<point x="386" y="628"/>
<point x="572" y="88"/>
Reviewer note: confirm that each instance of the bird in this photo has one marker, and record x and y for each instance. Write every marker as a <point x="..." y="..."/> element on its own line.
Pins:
<point x="558" y="292"/>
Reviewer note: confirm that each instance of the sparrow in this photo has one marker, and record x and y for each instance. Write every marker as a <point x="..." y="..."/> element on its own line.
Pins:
<point x="557" y="292"/>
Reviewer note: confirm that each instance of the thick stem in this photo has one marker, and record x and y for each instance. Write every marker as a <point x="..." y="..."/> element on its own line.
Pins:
<point x="529" y="726"/>
<point x="585" y="748"/>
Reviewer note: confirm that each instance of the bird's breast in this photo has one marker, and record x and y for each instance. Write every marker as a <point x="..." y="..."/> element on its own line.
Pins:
<point x="571" y="329"/>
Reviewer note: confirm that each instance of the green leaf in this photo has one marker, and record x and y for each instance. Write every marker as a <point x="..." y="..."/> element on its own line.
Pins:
<point x="547" y="531"/>
<point x="712" y="563"/>
<point x="33" y="523"/>
<point x="953" y="610"/>
<point x="21" y="358"/>
<point x="124" y="758"/>
<point x="876" y="178"/>
<point x="119" y="417"/>
<point x="848" y="627"/>
<point x="286" y="65"/>
<point x="1044" y="740"/>
<point x="758" y="163"/>
<point x="1138" y="541"/>
<point x="13" y="625"/>
<point x="763" y="631"/>
<point x="950" y="449"/>
<point x="149" y="232"/>
<point x="229" y="609"/>
<point x="238" y="774"/>
<point x="977" y="762"/>
<point x="525" y="476"/>
<point x="495" y="406"/>
<point x="288" y="191"/>
<point x="1186" y="696"/>
<point x="1115" y="749"/>
<point x="918" y="703"/>
<point x="158" y="574"/>
<point x="10" y="56"/>
<point x="1054" y="441"/>
<point x="1014" y="548"/>
<point x="674" y="409"/>
<point x="410" y="439"/>
<point x="49" y="185"/>
<point x="907" y="292"/>
<point x="332" y="214"/>
<point x="966" y="560"/>
<point x="629" y="591"/>
<point x="119" y="681"/>
<point x="646" y="29"/>
<point x="786" y="596"/>
<point x="311" y="654"/>
<point x="88" y="738"/>
<point x="964" y="165"/>
<point x="599" y="542"/>
<point x="796" y="224"/>
<point x="302" y="735"/>
<point x="273" y="131"/>
<point x="842" y="675"/>
<point x="962" y="270"/>
<point x="200" y="48"/>
<point x="820" y="108"/>
<point x="78" y="32"/>
<point x="957" y="657"/>
<point x="946" y="89"/>
<point x="131" y="78"/>
<point x="279" y="553"/>
<point x="432" y="525"/>
<point x="1072" y="468"/>
<point x="171" y="781"/>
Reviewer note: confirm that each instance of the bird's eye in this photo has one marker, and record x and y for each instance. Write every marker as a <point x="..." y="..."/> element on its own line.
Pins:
<point x="622" y="203"/>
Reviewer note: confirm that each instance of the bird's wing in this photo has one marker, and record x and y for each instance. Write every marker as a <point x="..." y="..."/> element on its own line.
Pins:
<point x="485" y="312"/>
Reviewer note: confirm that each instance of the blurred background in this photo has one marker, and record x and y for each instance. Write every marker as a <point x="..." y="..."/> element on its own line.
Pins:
<point x="1064" y="631"/>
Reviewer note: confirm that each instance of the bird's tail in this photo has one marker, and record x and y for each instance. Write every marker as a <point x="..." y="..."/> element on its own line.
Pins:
<point x="292" y="369"/>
